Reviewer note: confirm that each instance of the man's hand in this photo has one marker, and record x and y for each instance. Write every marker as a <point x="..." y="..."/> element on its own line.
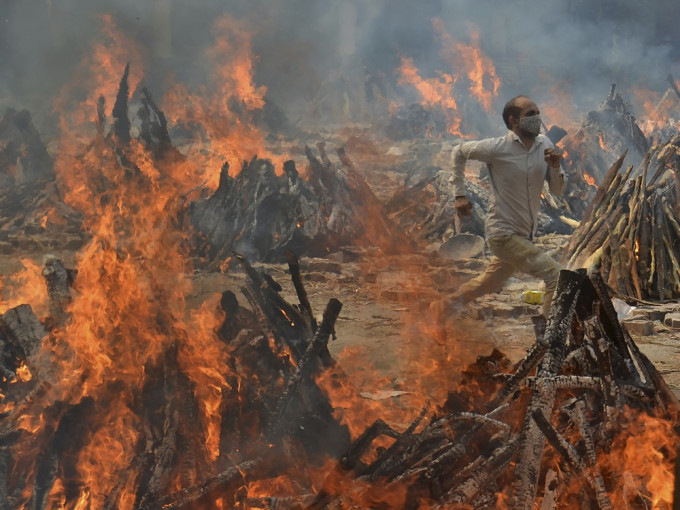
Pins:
<point x="463" y="206"/>
<point x="553" y="157"/>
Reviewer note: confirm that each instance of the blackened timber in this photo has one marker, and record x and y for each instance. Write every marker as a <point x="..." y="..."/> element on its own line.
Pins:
<point x="571" y="455"/>
<point x="121" y="121"/>
<point x="174" y="448"/>
<point x="611" y="325"/>
<point x="562" y="310"/>
<point x="294" y="267"/>
<point x="565" y="382"/>
<point x="23" y="334"/>
<point x="101" y="118"/>
<point x="363" y="442"/>
<point x="664" y="396"/>
<point x="306" y="364"/>
<point x="405" y="440"/>
<point x="350" y="463"/>
<point x="284" y="319"/>
<point x="486" y="473"/>
<point x="577" y="413"/>
<point x="209" y="490"/>
<point x="59" y="281"/>
<point x="60" y="456"/>
<point x="525" y="366"/>
<point x="154" y="129"/>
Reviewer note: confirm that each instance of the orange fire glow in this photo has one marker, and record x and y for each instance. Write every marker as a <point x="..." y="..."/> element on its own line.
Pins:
<point x="128" y="311"/>
<point x="589" y="179"/>
<point x="600" y="141"/>
<point x="129" y="315"/>
<point x="646" y="454"/>
<point x="107" y="58"/>
<point x="471" y="65"/>
<point x="26" y="287"/>
<point x="434" y="92"/>
<point x="558" y="108"/>
<point x="222" y="133"/>
<point x="657" y="112"/>
<point x="478" y="67"/>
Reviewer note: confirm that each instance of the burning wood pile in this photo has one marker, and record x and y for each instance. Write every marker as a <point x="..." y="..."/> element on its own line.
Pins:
<point x="604" y="134"/>
<point x="544" y="438"/>
<point x="123" y="397"/>
<point x="544" y="431"/>
<point x="263" y="215"/>
<point x="272" y="412"/>
<point x="30" y="203"/>
<point x="631" y="228"/>
<point x="663" y="119"/>
<point x="23" y="155"/>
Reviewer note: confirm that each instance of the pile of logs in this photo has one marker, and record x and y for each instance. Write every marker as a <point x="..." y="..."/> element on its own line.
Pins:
<point x="604" y="134"/>
<point x="23" y="154"/>
<point x="537" y="438"/>
<point x="30" y="201"/>
<point x="631" y="230"/>
<point x="263" y="215"/>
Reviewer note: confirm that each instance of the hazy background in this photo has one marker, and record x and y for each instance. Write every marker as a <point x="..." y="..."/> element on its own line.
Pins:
<point x="308" y="49"/>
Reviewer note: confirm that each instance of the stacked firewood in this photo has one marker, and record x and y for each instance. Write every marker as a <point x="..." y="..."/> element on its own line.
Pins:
<point x="261" y="214"/>
<point x="589" y="381"/>
<point x="631" y="230"/>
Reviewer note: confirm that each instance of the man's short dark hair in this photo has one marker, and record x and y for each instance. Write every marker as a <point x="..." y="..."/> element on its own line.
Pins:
<point x="511" y="110"/>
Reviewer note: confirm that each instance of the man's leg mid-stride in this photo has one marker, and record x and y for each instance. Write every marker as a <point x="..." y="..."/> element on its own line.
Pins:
<point x="527" y="258"/>
<point x="512" y="253"/>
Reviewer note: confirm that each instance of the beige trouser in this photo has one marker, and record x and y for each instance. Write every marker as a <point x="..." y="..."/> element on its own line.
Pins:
<point x="512" y="253"/>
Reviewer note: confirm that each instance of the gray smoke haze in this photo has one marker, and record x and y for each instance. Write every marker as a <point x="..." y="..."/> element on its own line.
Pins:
<point x="306" y="48"/>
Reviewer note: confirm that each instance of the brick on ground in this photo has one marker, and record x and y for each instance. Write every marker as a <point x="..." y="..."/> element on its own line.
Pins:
<point x="641" y="327"/>
<point x="672" y="320"/>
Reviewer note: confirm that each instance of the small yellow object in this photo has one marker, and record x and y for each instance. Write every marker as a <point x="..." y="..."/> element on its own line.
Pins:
<point x="533" y="297"/>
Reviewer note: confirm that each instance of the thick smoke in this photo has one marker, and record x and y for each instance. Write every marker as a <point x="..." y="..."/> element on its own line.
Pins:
<point x="306" y="48"/>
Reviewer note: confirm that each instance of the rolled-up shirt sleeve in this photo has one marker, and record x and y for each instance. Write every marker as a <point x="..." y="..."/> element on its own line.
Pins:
<point x="480" y="150"/>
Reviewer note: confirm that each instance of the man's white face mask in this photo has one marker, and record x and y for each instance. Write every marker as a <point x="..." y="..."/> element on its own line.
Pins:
<point x="530" y="125"/>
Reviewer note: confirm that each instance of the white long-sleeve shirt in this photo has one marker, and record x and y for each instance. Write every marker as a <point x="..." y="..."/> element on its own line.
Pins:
<point x="517" y="176"/>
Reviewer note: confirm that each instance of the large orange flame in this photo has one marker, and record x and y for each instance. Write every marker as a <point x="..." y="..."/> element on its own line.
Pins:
<point x="469" y="58"/>
<point x="434" y="92"/>
<point x="221" y="113"/>
<point x="128" y="304"/>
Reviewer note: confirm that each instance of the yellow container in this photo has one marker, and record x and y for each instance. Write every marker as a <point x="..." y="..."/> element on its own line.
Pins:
<point x="533" y="297"/>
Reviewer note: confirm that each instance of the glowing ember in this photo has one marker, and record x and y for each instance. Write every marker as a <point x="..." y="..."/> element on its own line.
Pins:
<point x="589" y="179"/>
<point x="600" y="140"/>
<point x="24" y="373"/>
